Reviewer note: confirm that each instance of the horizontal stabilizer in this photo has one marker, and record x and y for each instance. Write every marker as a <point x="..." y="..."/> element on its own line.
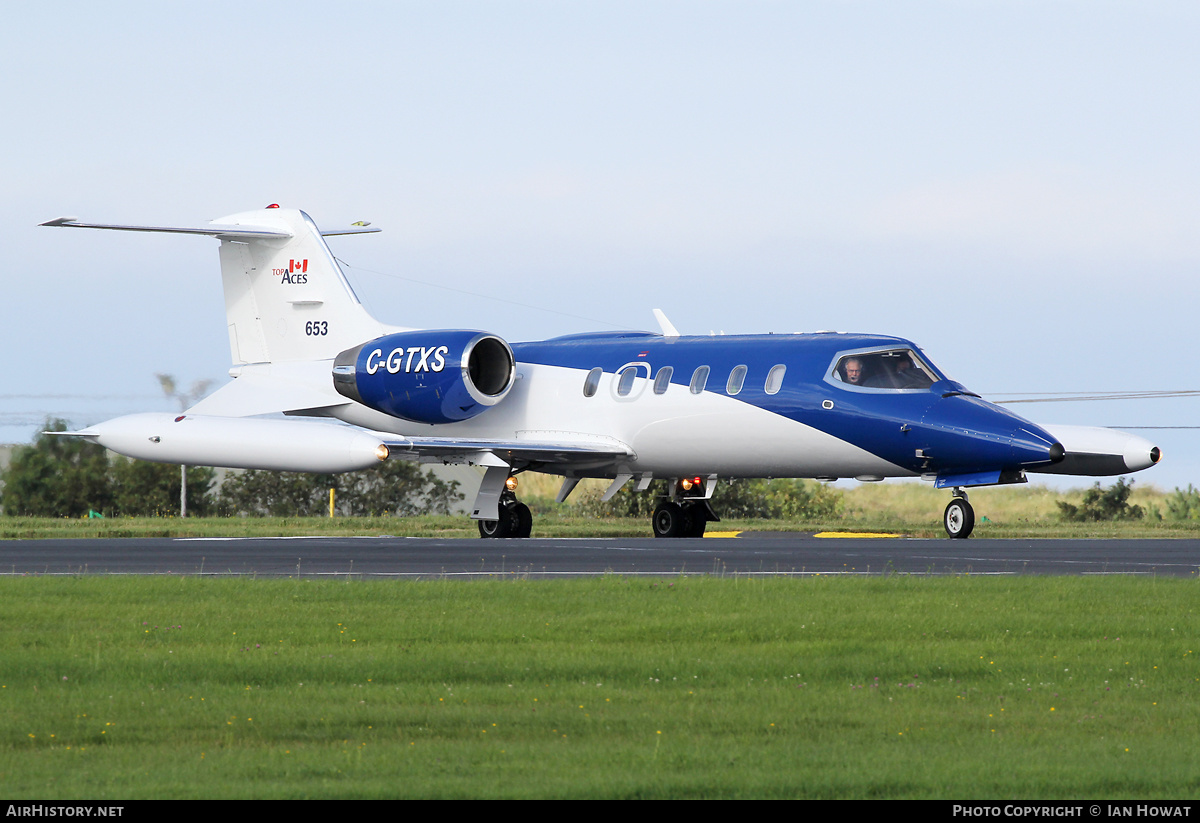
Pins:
<point x="349" y="230"/>
<point x="211" y="230"/>
<point x="224" y="232"/>
<point x="286" y="297"/>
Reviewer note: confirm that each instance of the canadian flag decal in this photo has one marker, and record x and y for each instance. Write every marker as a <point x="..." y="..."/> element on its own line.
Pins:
<point x="298" y="265"/>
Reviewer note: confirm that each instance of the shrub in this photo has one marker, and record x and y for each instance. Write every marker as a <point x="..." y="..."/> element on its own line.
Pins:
<point x="1184" y="505"/>
<point x="1103" y="504"/>
<point x="57" y="477"/>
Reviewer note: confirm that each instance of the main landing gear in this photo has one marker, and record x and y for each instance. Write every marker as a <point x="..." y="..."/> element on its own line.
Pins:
<point x="671" y="519"/>
<point x="959" y="517"/>
<point x="515" y="519"/>
<point x="686" y="513"/>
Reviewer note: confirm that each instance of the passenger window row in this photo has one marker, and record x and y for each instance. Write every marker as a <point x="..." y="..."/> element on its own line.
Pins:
<point x="662" y="380"/>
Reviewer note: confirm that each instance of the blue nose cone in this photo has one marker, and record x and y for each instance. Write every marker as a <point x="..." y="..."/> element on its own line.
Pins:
<point x="1033" y="446"/>
<point x="967" y="434"/>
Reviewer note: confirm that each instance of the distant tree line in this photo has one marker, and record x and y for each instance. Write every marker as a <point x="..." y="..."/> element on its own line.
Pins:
<point x="395" y="487"/>
<point x="70" y="477"/>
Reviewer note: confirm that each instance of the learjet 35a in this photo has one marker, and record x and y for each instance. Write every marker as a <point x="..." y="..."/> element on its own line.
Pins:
<point x="627" y="406"/>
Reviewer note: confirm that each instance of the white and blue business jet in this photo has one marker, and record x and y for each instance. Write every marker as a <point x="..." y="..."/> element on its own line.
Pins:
<point x="627" y="406"/>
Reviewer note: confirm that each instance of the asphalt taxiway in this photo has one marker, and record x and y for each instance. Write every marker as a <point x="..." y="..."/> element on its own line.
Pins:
<point x="750" y="554"/>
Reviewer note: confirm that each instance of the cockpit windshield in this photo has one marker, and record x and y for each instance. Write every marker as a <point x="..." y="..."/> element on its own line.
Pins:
<point x="891" y="369"/>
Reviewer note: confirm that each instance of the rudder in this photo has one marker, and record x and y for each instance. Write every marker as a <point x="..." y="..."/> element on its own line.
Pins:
<point x="287" y="299"/>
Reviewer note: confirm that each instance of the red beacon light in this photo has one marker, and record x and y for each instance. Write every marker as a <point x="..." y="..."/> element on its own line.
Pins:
<point x="273" y="206"/>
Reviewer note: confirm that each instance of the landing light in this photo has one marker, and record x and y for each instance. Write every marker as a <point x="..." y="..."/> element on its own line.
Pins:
<point x="382" y="452"/>
<point x="511" y="484"/>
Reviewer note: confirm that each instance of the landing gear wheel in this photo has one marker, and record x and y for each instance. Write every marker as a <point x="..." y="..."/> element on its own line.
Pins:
<point x="524" y="520"/>
<point x="959" y="518"/>
<point x="696" y="519"/>
<point x="668" y="520"/>
<point x="504" y="527"/>
<point x="509" y="524"/>
<point x="515" y="520"/>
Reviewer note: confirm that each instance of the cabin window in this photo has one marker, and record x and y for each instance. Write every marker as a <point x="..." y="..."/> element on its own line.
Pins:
<point x="699" y="379"/>
<point x="895" y="369"/>
<point x="592" y="382"/>
<point x="775" y="379"/>
<point x="625" y="380"/>
<point x="663" y="379"/>
<point x="737" y="377"/>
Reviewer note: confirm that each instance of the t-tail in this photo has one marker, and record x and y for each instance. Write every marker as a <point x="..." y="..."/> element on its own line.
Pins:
<point x="286" y="297"/>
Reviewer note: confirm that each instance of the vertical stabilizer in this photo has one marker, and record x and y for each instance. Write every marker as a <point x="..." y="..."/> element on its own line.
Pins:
<point x="286" y="297"/>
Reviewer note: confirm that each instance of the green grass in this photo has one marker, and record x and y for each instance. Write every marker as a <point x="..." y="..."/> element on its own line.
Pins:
<point x="26" y="528"/>
<point x="909" y="508"/>
<point x="121" y="688"/>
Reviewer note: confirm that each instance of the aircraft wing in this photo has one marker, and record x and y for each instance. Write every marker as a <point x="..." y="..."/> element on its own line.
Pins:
<point x="573" y="456"/>
<point x="562" y="451"/>
<point x="294" y="390"/>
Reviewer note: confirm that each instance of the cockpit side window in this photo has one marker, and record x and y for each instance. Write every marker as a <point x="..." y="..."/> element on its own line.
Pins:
<point x="893" y="369"/>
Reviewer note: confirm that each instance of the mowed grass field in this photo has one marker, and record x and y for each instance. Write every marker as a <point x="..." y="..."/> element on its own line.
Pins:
<point x="697" y="687"/>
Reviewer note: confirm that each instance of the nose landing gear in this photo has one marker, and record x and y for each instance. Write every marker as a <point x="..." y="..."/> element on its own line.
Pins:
<point x="959" y="517"/>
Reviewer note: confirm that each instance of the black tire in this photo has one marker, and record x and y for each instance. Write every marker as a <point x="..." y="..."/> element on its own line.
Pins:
<point x="506" y="526"/>
<point x="515" y="521"/>
<point x="697" y="519"/>
<point x="524" y="520"/>
<point x="959" y="519"/>
<point x="668" y="520"/>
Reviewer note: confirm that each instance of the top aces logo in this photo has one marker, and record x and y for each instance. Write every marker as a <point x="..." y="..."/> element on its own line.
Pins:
<point x="296" y="272"/>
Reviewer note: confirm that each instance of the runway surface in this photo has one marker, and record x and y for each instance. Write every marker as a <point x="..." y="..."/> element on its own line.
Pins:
<point x="750" y="554"/>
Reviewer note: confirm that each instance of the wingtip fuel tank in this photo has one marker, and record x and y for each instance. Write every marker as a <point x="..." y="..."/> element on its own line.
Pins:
<point x="240" y="442"/>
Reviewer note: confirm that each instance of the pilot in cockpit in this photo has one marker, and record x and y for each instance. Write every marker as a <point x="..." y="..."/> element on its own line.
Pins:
<point x="854" y="371"/>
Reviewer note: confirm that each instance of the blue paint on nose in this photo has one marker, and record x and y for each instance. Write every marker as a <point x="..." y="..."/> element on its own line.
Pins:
<point x="966" y="434"/>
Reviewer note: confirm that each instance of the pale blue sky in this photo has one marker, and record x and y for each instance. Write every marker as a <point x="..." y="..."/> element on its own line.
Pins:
<point x="1012" y="185"/>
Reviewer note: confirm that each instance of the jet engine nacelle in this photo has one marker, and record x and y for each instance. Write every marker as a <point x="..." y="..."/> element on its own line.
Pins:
<point x="429" y="376"/>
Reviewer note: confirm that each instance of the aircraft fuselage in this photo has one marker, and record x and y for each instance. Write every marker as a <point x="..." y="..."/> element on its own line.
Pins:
<point x="808" y="423"/>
